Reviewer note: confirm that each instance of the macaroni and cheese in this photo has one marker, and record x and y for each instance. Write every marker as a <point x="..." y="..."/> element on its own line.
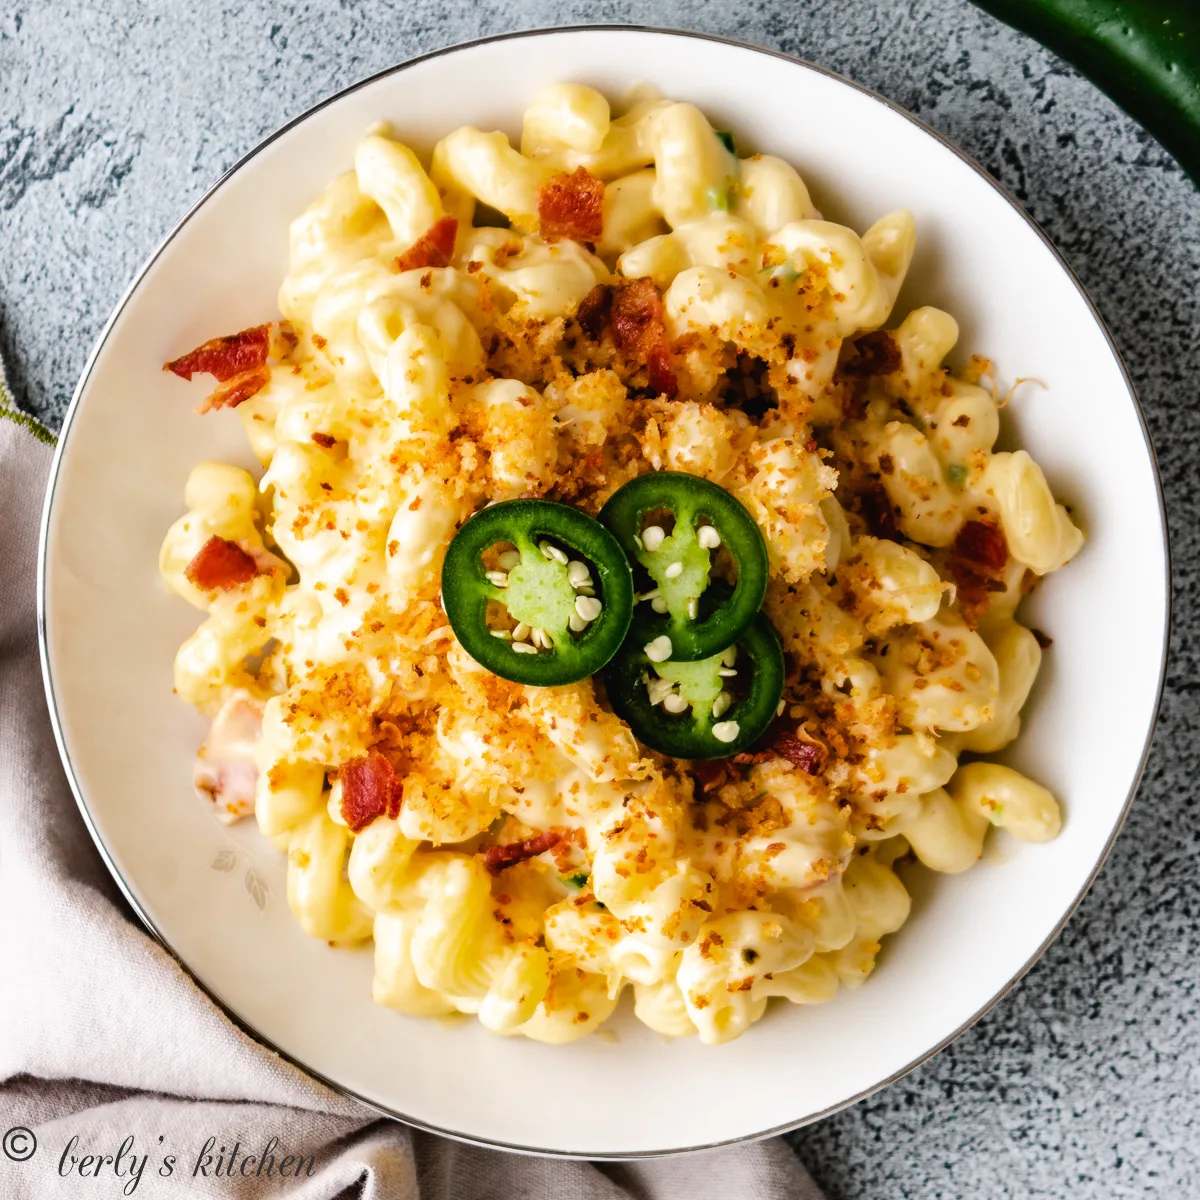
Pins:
<point x="457" y="332"/>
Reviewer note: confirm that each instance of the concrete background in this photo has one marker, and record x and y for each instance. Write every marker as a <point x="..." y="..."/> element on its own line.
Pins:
<point x="115" y="116"/>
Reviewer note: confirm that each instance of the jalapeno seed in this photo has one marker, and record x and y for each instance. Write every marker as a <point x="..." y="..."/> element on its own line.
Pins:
<point x="658" y="650"/>
<point x="653" y="537"/>
<point x="588" y="607"/>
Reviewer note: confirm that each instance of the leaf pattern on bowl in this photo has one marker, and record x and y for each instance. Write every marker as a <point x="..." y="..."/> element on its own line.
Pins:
<point x="225" y="860"/>
<point x="258" y="888"/>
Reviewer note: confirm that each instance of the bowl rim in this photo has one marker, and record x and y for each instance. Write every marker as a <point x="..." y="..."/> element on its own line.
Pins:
<point x="44" y="545"/>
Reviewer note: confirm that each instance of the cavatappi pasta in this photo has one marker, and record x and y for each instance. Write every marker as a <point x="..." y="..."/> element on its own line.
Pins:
<point x="426" y="366"/>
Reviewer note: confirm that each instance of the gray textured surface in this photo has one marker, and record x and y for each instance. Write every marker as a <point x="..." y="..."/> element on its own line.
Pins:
<point x="1083" y="1082"/>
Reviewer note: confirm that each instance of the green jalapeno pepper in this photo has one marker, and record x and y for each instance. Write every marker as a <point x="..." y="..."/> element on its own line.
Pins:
<point x="700" y="710"/>
<point x="550" y="608"/>
<point x="678" y="564"/>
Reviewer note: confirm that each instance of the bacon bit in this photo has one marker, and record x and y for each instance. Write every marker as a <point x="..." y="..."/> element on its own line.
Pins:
<point x="874" y="353"/>
<point x="593" y="311"/>
<point x="500" y="858"/>
<point x="973" y="596"/>
<point x="434" y="248"/>
<point x="811" y="445"/>
<point x="983" y="544"/>
<point x="808" y="756"/>
<point x="324" y="440"/>
<point x="660" y="375"/>
<point x="712" y="774"/>
<point x="572" y="206"/>
<point x="238" y="362"/>
<point x="854" y="401"/>
<point x="976" y="564"/>
<point x="225" y="357"/>
<point x="220" y="564"/>
<point x="747" y="757"/>
<point x="234" y="391"/>
<point x="370" y="789"/>
<point x="640" y="333"/>
<point x="876" y="508"/>
<point x="637" y="318"/>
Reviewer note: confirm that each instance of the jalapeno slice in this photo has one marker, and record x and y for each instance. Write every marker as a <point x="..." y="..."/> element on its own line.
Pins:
<point x="700" y="710"/>
<point x="537" y="592"/>
<point x="677" y="565"/>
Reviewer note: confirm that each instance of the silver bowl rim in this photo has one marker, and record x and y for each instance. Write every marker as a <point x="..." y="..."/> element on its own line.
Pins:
<point x="64" y="751"/>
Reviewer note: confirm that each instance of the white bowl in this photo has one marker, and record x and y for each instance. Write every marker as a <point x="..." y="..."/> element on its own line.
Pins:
<point x="216" y="897"/>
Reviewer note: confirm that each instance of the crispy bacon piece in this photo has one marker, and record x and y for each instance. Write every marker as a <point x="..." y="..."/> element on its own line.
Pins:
<point x="854" y="401"/>
<point x="237" y="361"/>
<point x="752" y="757"/>
<point x="324" y="440"/>
<point x="434" y="248"/>
<point x="976" y="563"/>
<point x="712" y="774"/>
<point x="660" y="375"/>
<point x="370" y="789"/>
<point x="594" y="310"/>
<point x="973" y="594"/>
<point x="233" y="391"/>
<point x="876" y="508"/>
<point x="640" y="333"/>
<point x="637" y="318"/>
<point x="220" y="564"/>
<point x="633" y="310"/>
<point x="983" y="544"/>
<point x="572" y="206"/>
<point x="875" y="353"/>
<point x="225" y="357"/>
<point x="808" y="756"/>
<point x="500" y="858"/>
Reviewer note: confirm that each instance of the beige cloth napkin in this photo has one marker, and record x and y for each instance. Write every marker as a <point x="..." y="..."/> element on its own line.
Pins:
<point x="105" y="1039"/>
